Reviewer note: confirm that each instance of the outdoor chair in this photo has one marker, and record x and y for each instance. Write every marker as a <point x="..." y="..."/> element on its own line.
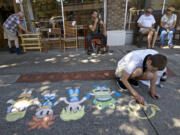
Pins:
<point x="54" y="36"/>
<point x="177" y="29"/>
<point x="97" y="44"/>
<point x="70" y="35"/>
<point x="31" y="42"/>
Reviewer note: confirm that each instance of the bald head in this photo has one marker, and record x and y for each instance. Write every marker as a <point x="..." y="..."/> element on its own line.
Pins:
<point x="21" y="14"/>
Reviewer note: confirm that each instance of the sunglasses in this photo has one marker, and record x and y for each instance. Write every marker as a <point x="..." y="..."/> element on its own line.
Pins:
<point x="149" y="12"/>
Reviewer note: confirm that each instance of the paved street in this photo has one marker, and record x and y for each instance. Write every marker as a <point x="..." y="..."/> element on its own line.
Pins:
<point x="122" y="117"/>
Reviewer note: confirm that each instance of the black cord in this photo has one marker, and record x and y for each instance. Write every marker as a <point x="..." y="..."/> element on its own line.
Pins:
<point x="157" y="133"/>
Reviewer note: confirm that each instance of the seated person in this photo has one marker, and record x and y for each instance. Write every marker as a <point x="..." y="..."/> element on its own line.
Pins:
<point x="140" y="65"/>
<point x="146" y="23"/>
<point x="168" y="22"/>
<point x="94" y="25"/>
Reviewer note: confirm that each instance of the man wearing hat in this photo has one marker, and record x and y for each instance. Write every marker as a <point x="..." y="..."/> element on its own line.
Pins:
<point x="168" y="23"/>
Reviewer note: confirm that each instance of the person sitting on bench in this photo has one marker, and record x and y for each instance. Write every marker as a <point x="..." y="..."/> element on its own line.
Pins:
<point x="94" y="25"/>
<point x="146" y="23"/>
<point x="168" y="23"/>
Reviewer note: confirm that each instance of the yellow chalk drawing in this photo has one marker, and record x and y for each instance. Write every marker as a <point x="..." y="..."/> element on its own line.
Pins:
<point x="134" y="108"/>
<point x="67" y="116"/>
<point x="18" y="108"/>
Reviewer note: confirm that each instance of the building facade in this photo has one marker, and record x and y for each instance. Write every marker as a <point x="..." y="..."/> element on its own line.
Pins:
<point x="111" y="11"/>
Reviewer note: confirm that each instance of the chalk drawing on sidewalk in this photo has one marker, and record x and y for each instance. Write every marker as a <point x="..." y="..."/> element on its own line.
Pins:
<point x="18" y="108"/>
<point x="103" y="97"/>
<point x="135" y="108"/>
<point x="44" y="115"/>
<point x="74" y="110"/>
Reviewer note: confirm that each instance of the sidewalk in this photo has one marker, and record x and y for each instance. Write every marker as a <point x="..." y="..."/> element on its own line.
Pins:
<point x="163" y="115"/>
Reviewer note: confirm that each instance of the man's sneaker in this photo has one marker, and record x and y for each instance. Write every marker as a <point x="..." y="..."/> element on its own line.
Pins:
<point x="11" y="50"/>
<point x="89" y="52"/>
<point x="164" y="77"/>
<point x="131" y="81"/>
<point x="18" y="51"/>
<point x="134" y="82"/>
<point x="120" y="84"/>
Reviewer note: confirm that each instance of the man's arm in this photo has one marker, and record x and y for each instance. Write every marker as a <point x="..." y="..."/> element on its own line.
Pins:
<point x="141" y="26"/>
<point x="153" y="25"/>
<point x="125" y="77"/>
<point x="93" y="27"/>
<point x="104" y="27"/>
<point x="153" y="85"/>
<point x="22" y="28"/>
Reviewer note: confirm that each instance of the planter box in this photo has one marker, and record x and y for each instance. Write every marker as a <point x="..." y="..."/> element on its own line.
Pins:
<point x="129" y="37"/>
<point x="116" y="38"/>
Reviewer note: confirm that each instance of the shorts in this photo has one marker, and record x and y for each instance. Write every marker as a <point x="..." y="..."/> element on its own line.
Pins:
<point x="146" y="31"/>
<point x="9" y="35"/>
<point x="119" y="71"/>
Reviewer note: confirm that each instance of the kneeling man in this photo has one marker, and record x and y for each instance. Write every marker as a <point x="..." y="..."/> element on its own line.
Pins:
<point x="140" y="65"/>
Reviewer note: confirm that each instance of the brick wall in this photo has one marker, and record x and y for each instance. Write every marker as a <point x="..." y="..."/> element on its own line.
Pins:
<point x="115" y="14"/>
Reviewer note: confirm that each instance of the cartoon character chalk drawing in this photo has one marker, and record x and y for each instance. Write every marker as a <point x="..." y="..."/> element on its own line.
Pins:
<point x="74" y="110"/>
<point x="44" y="115"/>
<point x="18" y="108"/>
<point x="103" y="97"/>
<point x="134" y="108"/>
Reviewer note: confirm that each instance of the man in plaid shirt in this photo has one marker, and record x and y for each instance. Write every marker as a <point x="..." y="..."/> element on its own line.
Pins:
<point x="10" y="27"/>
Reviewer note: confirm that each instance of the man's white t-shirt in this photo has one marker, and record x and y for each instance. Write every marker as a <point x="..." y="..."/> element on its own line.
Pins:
<point x="146" y="21"/>
<point x="135" y="59"/>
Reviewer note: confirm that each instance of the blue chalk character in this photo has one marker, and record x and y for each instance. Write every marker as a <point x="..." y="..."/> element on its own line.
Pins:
<point x="46" y="107"/>
<point x="74" y="102"/>
<point x="73" y="94"/>
<point x="49" y="100"/>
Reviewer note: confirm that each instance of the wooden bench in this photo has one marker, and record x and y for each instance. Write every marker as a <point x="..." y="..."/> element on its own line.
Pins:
<point x="31" y="42"/>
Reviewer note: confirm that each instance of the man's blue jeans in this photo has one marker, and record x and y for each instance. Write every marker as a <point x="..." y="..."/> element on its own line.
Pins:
<point x="170" y="36"/>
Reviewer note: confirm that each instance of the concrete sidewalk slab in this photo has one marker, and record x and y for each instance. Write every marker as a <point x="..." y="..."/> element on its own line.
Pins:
<point x="94" y="122"/>
<point x="55" y="61"/>
<point x="4" y="79"/>
<point x="118" y="122"/>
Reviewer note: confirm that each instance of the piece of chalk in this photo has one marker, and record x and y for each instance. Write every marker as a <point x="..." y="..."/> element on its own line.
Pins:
<point x="145" y="103"/>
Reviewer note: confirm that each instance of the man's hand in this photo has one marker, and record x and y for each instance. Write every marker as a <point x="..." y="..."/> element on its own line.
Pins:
<point x="105" y="33"/>
<point x="154" y="95"/>
<point x="101" y="22"/>
<point x="125" y="77"/>
<point x="104" y="27"/>
<point x="27" y="32"/>
<point x="96" y="20"/>
<point x="150" y="28"/>
<point x="140" y="99"/>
